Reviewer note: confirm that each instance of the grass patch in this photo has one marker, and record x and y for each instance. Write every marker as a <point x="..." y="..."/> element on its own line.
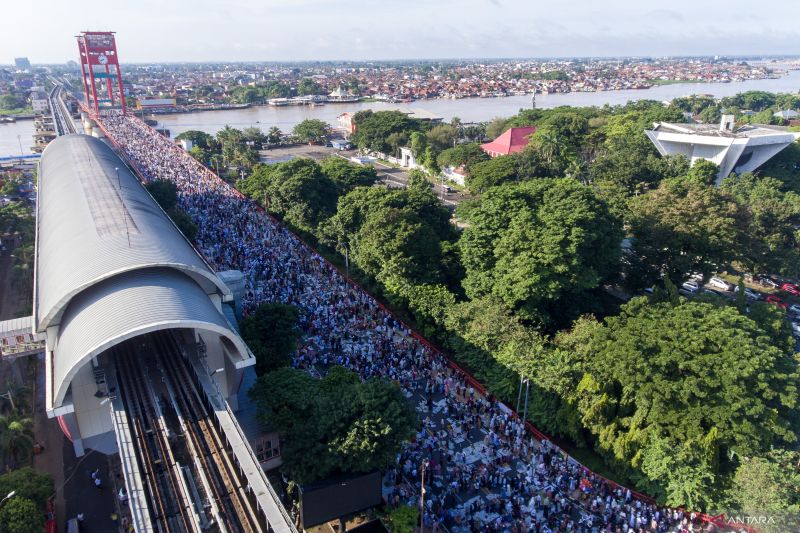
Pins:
<point x="17" y="111"/>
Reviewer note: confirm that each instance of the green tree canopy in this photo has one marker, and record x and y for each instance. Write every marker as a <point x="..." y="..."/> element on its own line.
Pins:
<point x="164" y="192"/>
<point x="462" y="155"/>
<point x="297" y="189"/>
<point x="682" y="227"/>
<point x="346" y="175"/>
<point x="274" y="135"/>
<point x="537" y="243"/>
<point x="374" y="128"/>
<point x="753" y="100"/>
<point x="394" y="232"/>
<point x="254" y="136"/>
<point x="29" y="484"/>
<point x="442" y="136"/>
<point x="703" y="172"/>
<point x="308" y="86"/>
<point x="271" y="332"/>
<point x="245" y="95"/>
<point x="626" y="156"/>
<point x="397" y="241"/>
<point x="679" y="391"/>
<point x="311" y="130"/>
<point x="335" y="425"/>
<point x="496" y="127"/>
<point x="198" y="138"/>
<point x="496" y="171"/>
<point x="11" y="102"/>
<point x="20" y="515"/>
<point x="770" y="242"/>
<point x="767" y="485"/>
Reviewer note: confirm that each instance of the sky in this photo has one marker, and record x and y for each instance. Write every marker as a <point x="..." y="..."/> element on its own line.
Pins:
<point x="293" y="30"/>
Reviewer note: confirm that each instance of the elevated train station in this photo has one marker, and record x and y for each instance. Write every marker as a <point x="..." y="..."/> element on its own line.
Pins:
<point x="111" y="266"/>
<point x="141" y="354"/>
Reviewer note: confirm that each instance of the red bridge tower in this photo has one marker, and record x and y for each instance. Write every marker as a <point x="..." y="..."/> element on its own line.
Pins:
<point x="100" y="66"/>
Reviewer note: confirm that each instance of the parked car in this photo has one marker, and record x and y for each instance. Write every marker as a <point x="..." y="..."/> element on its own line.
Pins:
<point x="766" y="281"/>
<point x="720" y="283"/>
<point x="776" y="300"/>
<point x="791" y="288"/>
<point x="794" y="309"/>
<point x="689" y="287"/>
<point x="749" y="293"/>
<point x="696" y="276"/>
<point x="796" y="329"/>
<point x="706" y="290"/>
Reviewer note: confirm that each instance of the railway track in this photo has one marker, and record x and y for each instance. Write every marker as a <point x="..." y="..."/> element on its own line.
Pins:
<point x="181" y="453"/>
<point x="160" y="473"/>
<point x="62" y="120"/>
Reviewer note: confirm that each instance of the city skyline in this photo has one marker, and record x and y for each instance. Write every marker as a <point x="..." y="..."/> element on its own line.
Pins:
<point x="307" y="30"/>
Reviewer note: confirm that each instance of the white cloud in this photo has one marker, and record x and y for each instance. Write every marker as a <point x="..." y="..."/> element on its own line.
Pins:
<point x="202" y="30"/>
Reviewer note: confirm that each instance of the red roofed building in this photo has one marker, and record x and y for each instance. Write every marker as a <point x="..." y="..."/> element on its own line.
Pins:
<point x="512" y="141"/>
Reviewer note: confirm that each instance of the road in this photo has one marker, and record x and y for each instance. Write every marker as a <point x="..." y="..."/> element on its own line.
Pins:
<point x="390" y="176"/>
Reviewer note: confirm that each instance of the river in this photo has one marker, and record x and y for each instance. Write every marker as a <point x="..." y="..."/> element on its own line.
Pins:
<point x="9" y="144"/>
<point x="467" y="109"/>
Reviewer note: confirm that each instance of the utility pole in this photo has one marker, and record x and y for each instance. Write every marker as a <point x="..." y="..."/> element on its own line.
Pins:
<point x="527" y="389"/>
<point x="422" y="499"/>
<point x="10" y="399"/>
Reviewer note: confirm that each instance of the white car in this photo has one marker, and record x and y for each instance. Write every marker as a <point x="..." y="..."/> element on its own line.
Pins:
<point x="720" y="283"/>
<point x="796" y="329"/>
<point x="689" y="287"/>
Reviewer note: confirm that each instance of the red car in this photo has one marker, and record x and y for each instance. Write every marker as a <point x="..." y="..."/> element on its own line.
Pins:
<point x="791" y="288"/>
<point x="772" y="299"/>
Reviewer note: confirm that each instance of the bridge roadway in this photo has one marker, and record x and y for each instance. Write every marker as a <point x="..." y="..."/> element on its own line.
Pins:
<point x="186" y="462"/>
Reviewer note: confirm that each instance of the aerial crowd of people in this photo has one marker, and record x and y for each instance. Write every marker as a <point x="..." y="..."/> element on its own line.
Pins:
<point x="483" y="470"/>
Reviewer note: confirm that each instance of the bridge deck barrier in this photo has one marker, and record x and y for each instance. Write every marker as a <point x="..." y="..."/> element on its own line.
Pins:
<point x="137" y="497"/>
<point x="266" y="497"/>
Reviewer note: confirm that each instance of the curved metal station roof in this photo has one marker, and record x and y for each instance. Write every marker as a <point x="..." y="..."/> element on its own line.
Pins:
<point x="94" y="221"/>
<point x="126" y="306"/>
<point x="110" y="265"/>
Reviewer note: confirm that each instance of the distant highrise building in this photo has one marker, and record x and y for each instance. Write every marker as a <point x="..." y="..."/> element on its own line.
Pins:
<point x="22" y="63"/>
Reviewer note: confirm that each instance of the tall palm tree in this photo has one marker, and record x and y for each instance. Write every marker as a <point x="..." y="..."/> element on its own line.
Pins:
<point x="274" y="135"/>
<point x="16" y="439"/>
<point x="549" y="146"/>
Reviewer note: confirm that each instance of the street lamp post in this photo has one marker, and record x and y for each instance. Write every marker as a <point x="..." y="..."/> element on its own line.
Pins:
<point x="422" y="499"/>
<point x="8" y="497"/>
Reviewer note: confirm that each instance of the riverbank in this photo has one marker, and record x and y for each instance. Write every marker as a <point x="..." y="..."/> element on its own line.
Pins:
<point x="466" y="109"/>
